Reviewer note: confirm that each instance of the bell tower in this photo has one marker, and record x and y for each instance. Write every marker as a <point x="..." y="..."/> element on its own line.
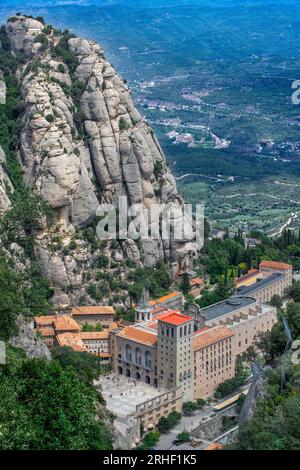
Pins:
<point x="143" y="311"/>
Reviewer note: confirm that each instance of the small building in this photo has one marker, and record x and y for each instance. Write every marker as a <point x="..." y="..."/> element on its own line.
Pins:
<point x="251" y="242"/>
<point x="197" y="285"/>
<point x="270" y="267"/>
<point x="99" y="314"/>
<point x="173" y="300"/>
<point x="48" y="335"/>
<point x="265" y="287"/>
<point x="217" y="233"/>
<point x="49" y="326"/>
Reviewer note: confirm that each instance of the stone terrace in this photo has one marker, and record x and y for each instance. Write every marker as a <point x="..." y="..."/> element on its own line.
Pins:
<point x="122" y="394"/>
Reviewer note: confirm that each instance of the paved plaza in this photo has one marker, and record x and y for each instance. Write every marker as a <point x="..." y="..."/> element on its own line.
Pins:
<point x="123" y="394"/>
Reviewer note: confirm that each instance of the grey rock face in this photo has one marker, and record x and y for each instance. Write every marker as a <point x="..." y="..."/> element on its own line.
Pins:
<point x="22" y="33"/>
<point x="27" y="340"/>
<point x="2" y="89"/>
<point x="5" y="185"/>
<point x="80" y="149"/>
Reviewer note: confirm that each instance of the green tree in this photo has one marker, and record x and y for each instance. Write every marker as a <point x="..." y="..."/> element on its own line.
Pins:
<point x="184" y="436"/>
<point x="151" y="438"/>
<point x="276" y="301"/>
<point x="11" y="298"/>
<point x="46" y="406"/>
<point x="185" y="283"/>
<point x="294" y="291"/>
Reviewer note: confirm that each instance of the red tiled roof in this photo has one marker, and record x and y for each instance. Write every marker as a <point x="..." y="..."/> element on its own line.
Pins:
<point x="72" y="340"/>
<point x="174" y="318"/>
<point x="94" y="334"/>
<point x="139" y="335"/>
<point x="274" y="265"/>
<point x="65" y="323"/>
<point x="46" y="331"/>
<point x="45" y="320"/>
<point x="93" y="310"/>
<point x="197" y="281"/>
<point x="164" y="298"/>
<point x="59" y="322"/>
<point x="211" y="336"/>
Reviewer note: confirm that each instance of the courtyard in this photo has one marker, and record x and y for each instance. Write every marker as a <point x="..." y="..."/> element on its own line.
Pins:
<point x="123" y="394"/>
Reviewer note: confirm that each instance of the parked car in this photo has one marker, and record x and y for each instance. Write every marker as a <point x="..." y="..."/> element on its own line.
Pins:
<point x="177" y="442"/>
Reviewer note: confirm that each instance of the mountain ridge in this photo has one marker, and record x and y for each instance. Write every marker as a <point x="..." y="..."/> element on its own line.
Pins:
<point x="81" y="143"/>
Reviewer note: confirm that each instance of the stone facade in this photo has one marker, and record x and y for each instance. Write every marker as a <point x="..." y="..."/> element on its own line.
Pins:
<point x="103" y="315"/>
<point x="175" y="356"/>
<point x="136" y="355"/>
<point x="152" y="410"/>
<point x="214" y="359"/>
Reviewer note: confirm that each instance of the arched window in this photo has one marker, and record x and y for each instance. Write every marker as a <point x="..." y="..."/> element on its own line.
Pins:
<point x="138" y="356"/>
<point x="137" y="376"/>
<point x="128" y="353"/>
<point x="147" y="379"/>
<point x="127" y="373"/>
<point x="148" y="360"/>
<point x="120" y="370"/>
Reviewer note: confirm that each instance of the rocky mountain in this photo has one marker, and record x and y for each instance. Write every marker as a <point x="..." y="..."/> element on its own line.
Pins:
<point x="82" y="142"/>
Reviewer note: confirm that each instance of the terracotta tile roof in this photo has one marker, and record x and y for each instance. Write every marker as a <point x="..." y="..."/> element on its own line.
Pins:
<point x="141" y="336"/>
<point x="115" y="325"/>
<point x="59" y="322"/>
<point x="94" y="334"/>
<point x="174" y="318"/>
<point x="65" y="323"/>
<point x="214" y="446"/>
<point x="121" y="323"/>
<point x="158" y="310"/>
<point x="45" y="320"/>
<point x="197" y="281"/>
<point x="72" y="340"/>
<point x="211" y="336"/>
<point x="274" y="265"/>
<point x="93" y="310"/>
<point x="164" y="298"/>
<point x="46" y="331"/>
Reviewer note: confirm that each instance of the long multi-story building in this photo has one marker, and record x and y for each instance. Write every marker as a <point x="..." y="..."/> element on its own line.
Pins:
<point x="244" y="316"/>
<point x="271" y="279"/>
<point x="214" y="361"/>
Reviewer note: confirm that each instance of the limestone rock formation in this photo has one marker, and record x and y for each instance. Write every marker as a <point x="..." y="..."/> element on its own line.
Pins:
<point x="83" y="143"/>
<point x="5" y="185"/>
<point x="27" y="340"/>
